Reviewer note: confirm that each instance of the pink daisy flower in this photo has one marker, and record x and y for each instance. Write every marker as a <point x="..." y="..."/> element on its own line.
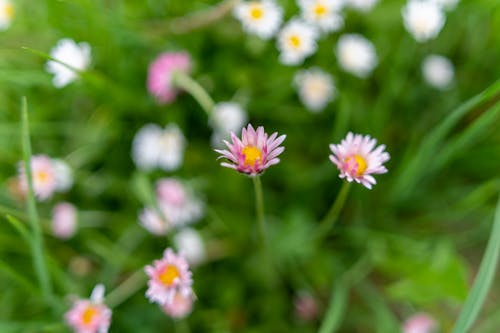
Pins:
<point x="254" y="153"/>
<point x="64" y="220"/>
<point x="43" y="175"/>
<point x="160" y="72"/>
<point x="356" y="159"/>
<point x="90" y="315"/>
<point x="419" y="323"/>
<point x="167" y="277"/>
<point x="180" y="307"/>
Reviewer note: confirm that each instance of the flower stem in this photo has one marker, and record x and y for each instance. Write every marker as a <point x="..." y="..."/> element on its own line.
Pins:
<point x="333" y="214"/>
<point x="126" y="289"/>
<point x="187" y="83"/>
<point x="259" y="208"/>
<point x="37" y="248"/>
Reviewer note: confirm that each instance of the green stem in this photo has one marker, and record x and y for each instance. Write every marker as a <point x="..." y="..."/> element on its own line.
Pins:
<point x="331" y="217"/>
<point x="37" y="248"/>
<point x="126" y="289"/>
<point x="187" y="83"/>
<point x="181" y="326"/>
<point x="259" y="208"/>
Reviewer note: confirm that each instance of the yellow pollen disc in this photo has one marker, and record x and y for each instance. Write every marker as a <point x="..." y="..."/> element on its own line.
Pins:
<point x="360" y="161"/>
<point x="169" y="275"/>
<point x="252" y="155"/>
<point x="89" y="314"/>
<point x="42" y="176"/>
<point x="320" y="10"/>
<point x="256" y="12"/>
<point x="294" y="41"/>
<point x="9" y="10"/>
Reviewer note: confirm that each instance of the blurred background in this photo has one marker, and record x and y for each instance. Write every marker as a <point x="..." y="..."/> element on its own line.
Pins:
<point x="412" y="244"/>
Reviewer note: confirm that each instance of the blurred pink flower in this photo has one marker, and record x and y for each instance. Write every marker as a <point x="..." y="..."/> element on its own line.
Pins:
<point x="153" y="222"/>
<point x="160" y="72"/>
<point x="254" y="153"/>
<point x="64" y="220"/>
<point x="43" y="175"/>
<point x="419" y="323"/>
<point x="168" y="276"/>
<point x="306" y="306"/>
<point x="356" y="159"/>
<point x="180" y="307"/>
<point x="90" y="315"/>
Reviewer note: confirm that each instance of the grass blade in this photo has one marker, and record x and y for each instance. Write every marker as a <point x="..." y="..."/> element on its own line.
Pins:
<point x="21" y="229"/>
<point x="483" y="280"/>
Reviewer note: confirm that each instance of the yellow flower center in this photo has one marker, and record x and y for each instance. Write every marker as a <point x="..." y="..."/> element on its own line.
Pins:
<point x="294" y="41"/>
<point x="320" y="10"/>
<point x="9" y="10"/>
<point x="42" y="176"/>
<point x="256" y="12"/>
<point x="169" y="275"/>
<point x="89" y="314"/>
<point x="252" y="155"/>
<point x="360" y="167"/>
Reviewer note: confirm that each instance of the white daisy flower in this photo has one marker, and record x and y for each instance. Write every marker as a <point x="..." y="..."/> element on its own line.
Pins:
<point x="362" y="5"/>
<point x="6" y="14"/>
<point x="64" y="175"/>
<point x="190" y="244"/>
<point x="154" y="147"/>
<point x="322" y="13"/>
<point x="262" y="18"/>
<point x="296" y="41"/>
<point x="424" y="19"/>
<point x="315" y="88"/>
<point x="438" y="71"/>
<point x="356" y="55"/>
<point x="226" y="117"/>
<point x="75" y="55"/>
<point x="153" y="222"/>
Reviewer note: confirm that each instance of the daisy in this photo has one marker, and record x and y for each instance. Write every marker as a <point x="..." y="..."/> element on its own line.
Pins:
<point x="181" y="306"/>
<point x="357" y="160"/>
<point x="226" y="117"/>
<point x="296" y="41"/>
<point x="262" y="18"/>
<point x="77" y="56"/>
<point x="167" y="277"/>
<point x="189" y="243"/>
<point x="154" y="147"/>
<point x="315" y="88"/>
<point x="64" y="175"/>
<point x="6" y="14"/>
<point x="325" y="14"/>
<point x="160" y="73"/>
<point x="43" y="175"/>
<point x="420" y="323"/>
<point x="64" y="220"/>
<point x="90" y="315"/>
<point x="438" y="71"/>
<point x="254" y="153"/>
<point x="362" y="5"/>
<point x="153" y="222"/>
<point x="424" y="19"/>
<point x="177" y="203"/>
<point x="356" y="55"/>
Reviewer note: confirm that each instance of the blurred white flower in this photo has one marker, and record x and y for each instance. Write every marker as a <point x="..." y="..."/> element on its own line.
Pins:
<point x="63" y="174"/>
<point x="43" y="176"/>
<point x="190" y="244"/>
<point x="226" y="117"/>
<point x="6" y="14"/>
<point x="362" y="5"/>
<point x="438" y="71"/>
<point x="261" y="18"/>
<point x="75" y="55"/>
<point x="325" y="14"/>
<point x="356" y="55"/>
<point x="154" y="147"/>
<point x="315" y="88"/>
<point x="296" y="41"/>
<point x="447" y="4"/>
<point x="151" y="220"/>
<point x="64" y="220"/>
<point x="424" y="19"/>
